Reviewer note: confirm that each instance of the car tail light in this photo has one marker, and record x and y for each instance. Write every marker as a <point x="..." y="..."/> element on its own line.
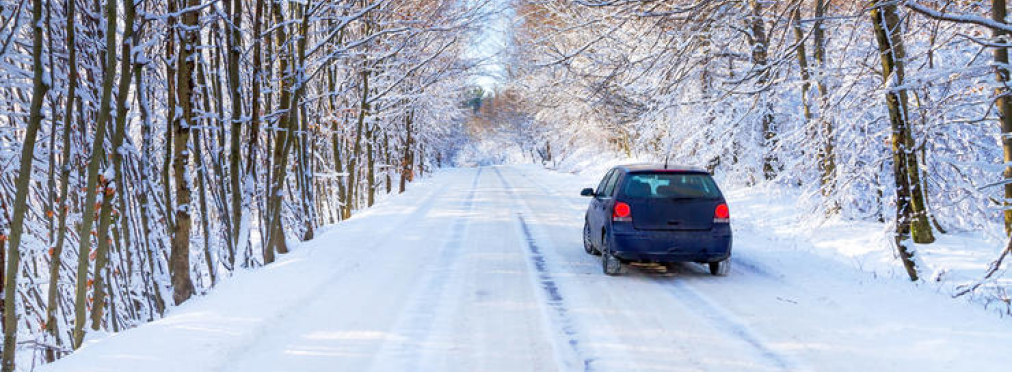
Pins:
<point x="621" y="212"/>
<point x="721" y="214"/>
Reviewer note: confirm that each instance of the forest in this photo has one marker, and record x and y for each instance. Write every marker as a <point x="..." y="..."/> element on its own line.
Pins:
<point x="150" y="149"/>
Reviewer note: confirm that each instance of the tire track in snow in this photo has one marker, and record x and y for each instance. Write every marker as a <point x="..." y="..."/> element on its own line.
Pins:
<point x="723" y="320"/>
<point x="570" y="354"/>
<point x="551" y="290"/>
<point x="344" y="267"/>
<point x="422" y="308"/>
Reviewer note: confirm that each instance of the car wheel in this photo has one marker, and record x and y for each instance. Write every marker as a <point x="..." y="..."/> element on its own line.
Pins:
<point x="610" y="264"/>
<point x="721" y="268"/>
<point x="588" y="246"/>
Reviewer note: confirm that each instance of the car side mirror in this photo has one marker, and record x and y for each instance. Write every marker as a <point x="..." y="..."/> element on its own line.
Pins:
<point x="587" y="192"/>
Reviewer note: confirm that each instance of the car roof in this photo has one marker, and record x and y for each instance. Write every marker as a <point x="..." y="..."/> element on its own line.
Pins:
<point x="645" y="167"/>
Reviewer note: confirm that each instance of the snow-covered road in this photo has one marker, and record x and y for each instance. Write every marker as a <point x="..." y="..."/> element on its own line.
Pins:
<point x="483" y="270"/>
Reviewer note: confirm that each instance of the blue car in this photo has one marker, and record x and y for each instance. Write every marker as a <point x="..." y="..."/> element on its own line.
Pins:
<point x="658" y="214"/>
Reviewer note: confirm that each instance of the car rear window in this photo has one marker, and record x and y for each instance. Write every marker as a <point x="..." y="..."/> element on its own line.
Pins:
<point x="670" y="185"/>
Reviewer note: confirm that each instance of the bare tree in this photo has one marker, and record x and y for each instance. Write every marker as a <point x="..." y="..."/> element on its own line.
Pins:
<point x="40" y="87"/>
<point x="94" y="176"/>
<point x="179" y="259"/>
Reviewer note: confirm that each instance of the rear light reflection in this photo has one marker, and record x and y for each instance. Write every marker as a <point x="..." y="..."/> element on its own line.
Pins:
<point x="621" y="212"/>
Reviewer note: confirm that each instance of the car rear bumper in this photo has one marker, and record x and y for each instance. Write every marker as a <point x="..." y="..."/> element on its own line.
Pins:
<point x="673" y="246"/>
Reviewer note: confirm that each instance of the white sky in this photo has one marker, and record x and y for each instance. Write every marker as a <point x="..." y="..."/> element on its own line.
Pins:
<point x="491" y="43"/>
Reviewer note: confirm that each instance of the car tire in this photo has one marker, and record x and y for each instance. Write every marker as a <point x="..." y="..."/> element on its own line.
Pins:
<point x="610" y="264"/>
<point x="588" y="245"/>
<point x="721" y="268"/>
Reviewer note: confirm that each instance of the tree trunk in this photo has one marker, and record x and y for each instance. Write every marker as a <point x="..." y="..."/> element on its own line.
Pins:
<point x="282" y="144"/>
<point x="170" y="115"/>
<point x="806" y="77"/>
<point x="370" y="170"/>
<point x="198" y="156"/>
<point x="112" y="187"/>
<point x="827" y="155"/>
<point x="910" y="216"/>
<point x="363" y="111"/>
<point x="407" y="168"/>
<point x="305" y="162"/>
<point x="179" y="261"/>
<point x="52" y="304"/>
<point x="338" y="143"/>
<point x="421" y="160"/>
<point x="386" y="161"/>
<point x="234" y="45"/>
<point x="22" y="185"/>
<point x="1004" y="103"/>
<point x="199" y="142"/>
<point x="146" y="189"/>
<point x="760" y="63"/>
<point x="249" y="181"/>
<point x="94" y="164"/>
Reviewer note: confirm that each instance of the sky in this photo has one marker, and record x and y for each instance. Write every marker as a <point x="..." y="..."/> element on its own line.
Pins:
<point x="490" y="45"/>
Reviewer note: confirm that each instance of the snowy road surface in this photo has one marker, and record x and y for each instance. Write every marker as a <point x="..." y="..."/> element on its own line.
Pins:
<point x="483" y="270"/>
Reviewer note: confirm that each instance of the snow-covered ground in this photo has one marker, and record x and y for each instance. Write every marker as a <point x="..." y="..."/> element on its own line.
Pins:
<point x="482" y="269"/>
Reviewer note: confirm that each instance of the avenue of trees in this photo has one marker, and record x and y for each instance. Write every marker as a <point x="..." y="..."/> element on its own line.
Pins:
<point x="151" y="148"/>
<point x="896" y="111"/>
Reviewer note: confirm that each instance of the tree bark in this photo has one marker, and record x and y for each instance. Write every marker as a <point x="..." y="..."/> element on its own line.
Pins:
<point x="234" y="45"/>
<point x="282" y="144"/>
<point x="147" y="189"/>
<point x="172" y="61"/>
<point x="112" y="187"/>
<point x="52" y="304"/>
<point x="338" y="143"/>
<point x="179" y="261"/>
<point x="22" y="185"/>
<point x="827" y="155"/>
<point x="94" y="164"/>
<point x="201" y="167"/>
<point x="249" y="180"/>
<point x="407" y="170"/>
<point x="760" y="56"/>
<point x="910" y="216"/>
<point x="999" y="11"/>
<point x="806" y="77"/>
<point x="370" y="170"/>
<point x="357" y="149"/>
<point x="386" y="161"/>
<point x="305" y="161"/>
<point x="198" y="156"/>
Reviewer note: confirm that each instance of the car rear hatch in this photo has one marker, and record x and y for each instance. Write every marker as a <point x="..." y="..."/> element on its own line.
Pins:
<point x="665" y="200"/>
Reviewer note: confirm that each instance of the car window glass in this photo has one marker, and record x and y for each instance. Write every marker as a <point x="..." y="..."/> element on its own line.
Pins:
<point x="670" y="185"/>
<point x="609" y="189"/>
<point x="604" y="181"/>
